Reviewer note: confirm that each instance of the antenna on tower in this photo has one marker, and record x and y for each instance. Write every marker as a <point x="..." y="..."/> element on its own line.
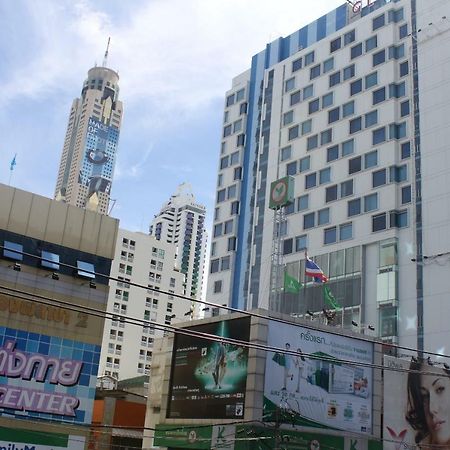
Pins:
<point x="105" y="59"/>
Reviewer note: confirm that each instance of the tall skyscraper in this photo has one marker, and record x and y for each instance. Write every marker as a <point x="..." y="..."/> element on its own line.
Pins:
<point x="354" y="107"/>
<point x="90" y="146"/>
<point x="181" y="221"/>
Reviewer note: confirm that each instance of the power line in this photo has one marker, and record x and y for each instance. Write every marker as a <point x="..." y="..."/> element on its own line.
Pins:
<point x="228" y="308"/>
<point x="190" y="332"/>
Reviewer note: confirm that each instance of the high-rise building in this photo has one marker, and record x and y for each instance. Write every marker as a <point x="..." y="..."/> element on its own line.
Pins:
<point x="354" y="108"/>
<point x="52" y="305"/>
<point x="90" y="146"/>
<point x="139" y="259"/>
<point x="181" y="221"/>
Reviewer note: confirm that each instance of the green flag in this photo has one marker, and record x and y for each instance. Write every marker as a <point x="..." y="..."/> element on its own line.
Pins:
<point x="291" y="285"/>
<point x="329" y="298"/>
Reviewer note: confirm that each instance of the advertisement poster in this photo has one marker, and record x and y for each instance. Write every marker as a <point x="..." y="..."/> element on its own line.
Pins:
<point x="47" y="377"/>
<point x="313" y="392"/>
<point x="17" y="439"/>
<point x="100" y="155"/>
<point x="208" y="377"/>
<point x="416" y="404"/>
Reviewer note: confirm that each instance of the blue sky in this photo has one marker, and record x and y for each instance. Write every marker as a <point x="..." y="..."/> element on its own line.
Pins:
<point x="176" y="59"/>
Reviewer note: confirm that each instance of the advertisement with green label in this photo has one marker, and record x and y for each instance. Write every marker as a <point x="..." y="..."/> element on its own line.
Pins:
<point x="17" y="439"/>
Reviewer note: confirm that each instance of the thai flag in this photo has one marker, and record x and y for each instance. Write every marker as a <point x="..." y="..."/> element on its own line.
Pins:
<point x="314" y="271"/>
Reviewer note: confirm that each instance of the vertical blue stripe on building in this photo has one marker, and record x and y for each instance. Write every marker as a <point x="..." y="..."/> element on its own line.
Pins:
<point x="321" y="31"/>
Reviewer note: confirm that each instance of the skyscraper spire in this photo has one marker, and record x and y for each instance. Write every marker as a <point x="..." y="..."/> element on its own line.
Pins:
<point x="105" y="59"/>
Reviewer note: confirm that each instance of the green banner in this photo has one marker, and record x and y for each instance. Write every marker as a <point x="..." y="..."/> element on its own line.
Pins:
<point x="291" y="285"/>
<point x="33" y="437"/>
<point x="195" y="437"/>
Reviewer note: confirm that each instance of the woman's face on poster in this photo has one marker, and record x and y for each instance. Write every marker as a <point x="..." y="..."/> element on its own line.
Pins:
<point x="435" y="390"/>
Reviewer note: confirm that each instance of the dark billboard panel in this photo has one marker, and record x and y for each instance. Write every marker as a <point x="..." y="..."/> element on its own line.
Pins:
<point x="209" y="378"/>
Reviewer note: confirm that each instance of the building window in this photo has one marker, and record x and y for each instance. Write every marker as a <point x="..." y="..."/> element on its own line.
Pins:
<point x="370" y="159"/>
<point x="301" y="243"/>
<point x="289" y="84"/>
<point x="287" y="246"/>
<point x="304" y="164"/>
<point x="240" y="95"/>
<point x="378" y="22"/>
<point x="371" y="202"/>
<point x="371" y="80"/>
<point x="331" y="193"/>
<point x="326" y="137"/>
<point x="295" y="98"/>
<point x="378" y="136"/>
<point x="217" y="230"/>
<point x="217" y="286"/>
<point x="404" y="69"/>
<point x="356" y="51"/>
<point x="314" y="72"/>
<point x="308" y="92"/>
<point x="291" y="168"/>
<point x="406" y="195"/>
<point x="405" y="150"/>
<point x="354" y="207"/>
<point x="348" y="147"/>
<point x="354" y="165"/>
<point x="403" y="31"/>
<point x="234" y="208"/>
<point x="231" y="244"/>
<point x="371" y="118"/>
<point x="379" y="222"/>
<point x="398" y="219"/>
<point x="313" y="106"/>
<point x="335" y="44"/>
<point x="237" y="173"/>
<point x="404" y="108"/>
<point x="335" y="78"/>
<point x="323" y="216"/>
<point x="306" y="126"/>
<point x="308" y="221"/>
<point x="296" y="65"/>
<point x="227" y="130"/>
<point x="312" y="142"/>
<point x="378" y="58"/>
<point x="228" y="227"/>
<point x="333" y="115"/>
<point x="285" y="153"/>
<point x="49" y="260"/>
<point x="13" y="251"/>
<point x="356" y="87"/>
<point x="329" y="235"/>
<point x="293" y="132"/>
<point x="332" y="153"/>
<point x="214" y="266"/>
<point x="396" y="52"/>
<point x="355" y="125"/>
<point x="325" y="175"/>
<point x="328" y="65"/>
<point x="371" y="43"/>
<point x="346" y="188"/>
<point x="303" y="202"/>
<point x="327" y="100"/>
<point x="310" y="180"/>
<point x="345" y="231"/>
<point x="348" y="72"/>
<point x="309" y="58"/>
<point x="221" y="195"/>
<point x="230" y="100"/>
<point x="288" y="117"/>
<point x="349" y="37"/>
<point x="225" y="263"/>
<point x="379" y="178"/>
<point x="348" y="109"/>
<point x="85" y="269"/>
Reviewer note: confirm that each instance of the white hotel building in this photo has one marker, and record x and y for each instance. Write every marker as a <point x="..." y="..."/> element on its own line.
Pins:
<point x="141" y="259"/>
<point x="355" y="107"/>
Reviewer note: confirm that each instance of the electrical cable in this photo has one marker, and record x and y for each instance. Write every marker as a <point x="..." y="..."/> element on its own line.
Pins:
<point x="193" y="333"/>
<point x="229" y="308"/>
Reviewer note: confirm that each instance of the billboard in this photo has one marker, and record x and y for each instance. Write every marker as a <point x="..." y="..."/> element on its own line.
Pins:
<point x="99" y="159"/>
<point x="18" y="439"/>
<point x="47" y="377"/>
<point x="208" y="379"/>
<point x="416" y="405"/>
<point x="313" y="392"/>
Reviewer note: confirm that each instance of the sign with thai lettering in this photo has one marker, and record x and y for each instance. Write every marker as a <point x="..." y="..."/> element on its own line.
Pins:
<point x="19" y="439"/>
<point x="47" y="375"/>
<point x="325" y="390"/>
